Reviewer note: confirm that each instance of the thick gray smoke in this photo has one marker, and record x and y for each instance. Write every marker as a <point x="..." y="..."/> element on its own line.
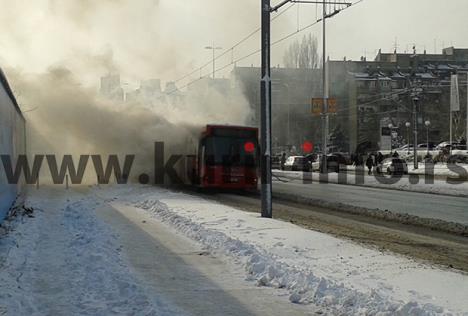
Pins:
<point x="70" y="119"/>
<point x="75" y="43"/>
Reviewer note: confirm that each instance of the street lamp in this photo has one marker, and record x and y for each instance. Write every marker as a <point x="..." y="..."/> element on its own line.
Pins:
<point x="390" y="126"/>
<point x="428" y="124"/>
<point x="214" y="49"/>
<point x="408" y="125"/>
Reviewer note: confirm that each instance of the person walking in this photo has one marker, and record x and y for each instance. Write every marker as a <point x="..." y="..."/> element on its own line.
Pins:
<point x="369" y="164"/>
<point x="379" y="161"/>
<point x="283" y="160"/>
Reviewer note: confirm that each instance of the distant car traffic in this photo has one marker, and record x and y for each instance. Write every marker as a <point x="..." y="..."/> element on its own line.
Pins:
<point x="394" y="166"/>
<point x="447" y="146"/>
<point x="297" y="163"/>
<point x="405" y="147"/>
<point x="424" y="146"/>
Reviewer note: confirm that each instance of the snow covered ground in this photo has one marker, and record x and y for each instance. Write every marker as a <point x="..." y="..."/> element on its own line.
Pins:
<point x="314" y="267"/>
<point x="66" y="262"/>
<point x="405" y="183"/>
<point x="440" y="169"/>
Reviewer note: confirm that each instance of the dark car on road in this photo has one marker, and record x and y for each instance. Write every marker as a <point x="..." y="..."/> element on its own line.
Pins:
<point x="343" y="158"/>
<point x="333" y="163"/>
<point x="395" y="166"/>
<point x="276" y="162"/>
<point x="297" y="163"/>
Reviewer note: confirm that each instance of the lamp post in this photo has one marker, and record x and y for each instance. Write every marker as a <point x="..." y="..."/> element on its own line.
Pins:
<point x="408" y="125"/>
<point x="390" y="126"/>
<point x="428" y="124"/>
<point x="214" y="49"/>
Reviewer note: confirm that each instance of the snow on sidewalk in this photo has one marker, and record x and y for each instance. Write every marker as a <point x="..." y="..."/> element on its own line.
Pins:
<point x="314" y="267"/>
<point x="65" y="261"/>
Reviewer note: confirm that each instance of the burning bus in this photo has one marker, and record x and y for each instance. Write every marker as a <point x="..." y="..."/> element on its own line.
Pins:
<point x="227" y="158"/>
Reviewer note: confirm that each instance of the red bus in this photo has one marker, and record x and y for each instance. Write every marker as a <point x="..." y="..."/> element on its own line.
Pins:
<point x="227" y="158"/>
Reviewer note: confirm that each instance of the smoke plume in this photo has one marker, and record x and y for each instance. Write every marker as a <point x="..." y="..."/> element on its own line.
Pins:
<point x="55" y="74"/>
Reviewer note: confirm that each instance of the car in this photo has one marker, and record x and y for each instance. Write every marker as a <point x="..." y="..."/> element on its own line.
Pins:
<point x="405" y="147"/>
<point x="333" y="163"/>
<point x="424" y="146"/>
<point x="343" y="158"/>
<point x="312" y="157"/>
<point x="276" y="162"/>
<point x="297" y="163"/>
<point x="395" y="166"/>
<point x="454" y="146"/>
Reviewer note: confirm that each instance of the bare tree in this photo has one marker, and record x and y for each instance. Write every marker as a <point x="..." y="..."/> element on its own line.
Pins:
<point x="302" y="54"/>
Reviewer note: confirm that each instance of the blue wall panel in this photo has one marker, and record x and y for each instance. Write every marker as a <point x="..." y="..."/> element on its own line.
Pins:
<point x="12" y="142"/>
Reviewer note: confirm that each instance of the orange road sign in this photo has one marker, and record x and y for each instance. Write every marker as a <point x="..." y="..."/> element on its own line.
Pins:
<point x="317" y="106"/>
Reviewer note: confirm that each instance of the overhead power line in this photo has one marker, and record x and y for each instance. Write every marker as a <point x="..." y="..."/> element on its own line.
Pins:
<point x="231" y="49"/>
<point x="247" y="55"/>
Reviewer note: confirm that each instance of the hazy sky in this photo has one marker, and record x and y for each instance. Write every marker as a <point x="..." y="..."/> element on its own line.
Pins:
<point x="166" y="38"/>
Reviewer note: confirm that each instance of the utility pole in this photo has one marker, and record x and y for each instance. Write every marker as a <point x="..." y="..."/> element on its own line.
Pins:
<point x="454" y="105"/>
<point x="265" y="134"/>
<point x="415" y="131"/>
<point x="214" y="49"/>
<point x="325" y="117"/>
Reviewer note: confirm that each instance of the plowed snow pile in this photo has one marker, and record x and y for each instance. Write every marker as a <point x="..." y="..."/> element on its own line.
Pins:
<point x="314" y="267"/>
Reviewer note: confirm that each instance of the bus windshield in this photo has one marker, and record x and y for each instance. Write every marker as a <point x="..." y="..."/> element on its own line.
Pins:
<point x="229" y="151"/>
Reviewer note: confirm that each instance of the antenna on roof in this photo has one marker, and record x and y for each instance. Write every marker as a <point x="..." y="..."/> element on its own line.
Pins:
<point x="395" y="45"/>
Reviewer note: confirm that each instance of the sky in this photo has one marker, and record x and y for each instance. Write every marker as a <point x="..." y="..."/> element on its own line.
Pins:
<point x="166" y="39"/>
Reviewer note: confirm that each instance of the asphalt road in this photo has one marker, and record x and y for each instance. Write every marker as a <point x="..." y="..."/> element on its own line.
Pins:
<point x="447" y="208"/>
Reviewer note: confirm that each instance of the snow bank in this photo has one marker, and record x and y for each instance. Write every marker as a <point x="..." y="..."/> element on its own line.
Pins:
<point x="67" y="262"/>
<point x="405" y="184"/>
<point x="314" y="267"/>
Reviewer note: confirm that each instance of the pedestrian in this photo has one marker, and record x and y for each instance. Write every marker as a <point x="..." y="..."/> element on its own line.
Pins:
<point x="380" y="159"/>
<point x="369" y="164"/>
<point x="283" y="160"/>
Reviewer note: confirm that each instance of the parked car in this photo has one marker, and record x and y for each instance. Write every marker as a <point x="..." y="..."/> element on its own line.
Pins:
<point x="447" y="146"/>
<point x="343" y="158"/>
<point x="405" y="147"/>
<point x="276" y="162"/>
<point x="297" y="163"/>
<point x="312" y="157"/>
<point x="333" y="163"/>
<point x="394" y="166"/>
<point x="424" y="146"/>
